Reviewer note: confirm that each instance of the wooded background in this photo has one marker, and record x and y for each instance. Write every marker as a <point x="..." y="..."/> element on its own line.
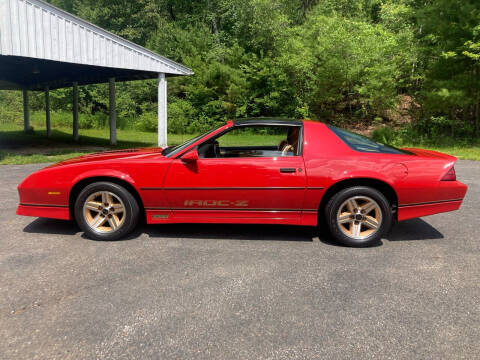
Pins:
<point x="411" y="65"/>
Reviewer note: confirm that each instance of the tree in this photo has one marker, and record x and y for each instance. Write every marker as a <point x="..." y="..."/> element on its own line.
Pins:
<point x="341" y="65"/>
<point x="450" y="38"/>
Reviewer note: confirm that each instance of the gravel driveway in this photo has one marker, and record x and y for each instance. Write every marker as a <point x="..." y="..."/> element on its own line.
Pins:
<point x="239" y="292"/>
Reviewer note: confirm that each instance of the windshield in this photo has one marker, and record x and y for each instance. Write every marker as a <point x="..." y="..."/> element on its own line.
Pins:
<point x="172" y="150"/>
<point x="363" y="144"/>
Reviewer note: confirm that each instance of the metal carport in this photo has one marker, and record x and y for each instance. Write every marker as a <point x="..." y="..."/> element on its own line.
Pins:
<point x="44" y="48"/>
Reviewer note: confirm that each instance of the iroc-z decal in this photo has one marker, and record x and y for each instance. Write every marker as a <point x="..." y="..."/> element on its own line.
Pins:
<point x="217" y="203"/>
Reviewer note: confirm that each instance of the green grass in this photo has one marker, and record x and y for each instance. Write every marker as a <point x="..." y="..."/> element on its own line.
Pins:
<point x="16" y="147"/>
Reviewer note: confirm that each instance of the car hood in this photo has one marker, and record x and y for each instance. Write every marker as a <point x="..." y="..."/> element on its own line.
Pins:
<point x="111" y="155"/>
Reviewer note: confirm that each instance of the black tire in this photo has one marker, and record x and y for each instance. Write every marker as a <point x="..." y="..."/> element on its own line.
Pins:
<point x="332" y="210"/>
<point x="130" y="206"/>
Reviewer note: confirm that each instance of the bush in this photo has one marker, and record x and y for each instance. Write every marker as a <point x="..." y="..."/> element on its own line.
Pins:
<point x="148" y="121"/>
<point x="11" y="109"/>
<point x="64" y="119"/>
<point x="385" y="135"/>
<point x="435" y="130"/>
<point x="181" y="119"/>
<point x="96" y="121"/>
<point x="180" y="115"/>
<point x="432" y="131"/>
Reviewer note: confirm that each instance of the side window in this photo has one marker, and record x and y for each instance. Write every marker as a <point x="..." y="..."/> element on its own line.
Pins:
<point x="253" y="141"/>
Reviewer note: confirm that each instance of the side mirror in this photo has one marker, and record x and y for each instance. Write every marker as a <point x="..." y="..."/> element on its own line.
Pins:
<point x="190" y="156"/>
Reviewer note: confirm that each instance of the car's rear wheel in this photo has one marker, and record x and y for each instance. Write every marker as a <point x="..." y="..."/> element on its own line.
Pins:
<point x="106" y="211"/>
<point x="358" y="216"/>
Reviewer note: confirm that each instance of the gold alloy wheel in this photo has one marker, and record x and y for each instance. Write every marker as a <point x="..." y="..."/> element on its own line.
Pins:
<point x="359" y="217"/>
<point x="104" y="212"/>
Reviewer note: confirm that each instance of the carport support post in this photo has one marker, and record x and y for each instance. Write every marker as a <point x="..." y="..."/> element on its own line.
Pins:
<point x="162" y="110"/>
<point x="26" y="111"/>
<point x="113" y="113"/>
<point x="47" y="110"/>
<point x="75" y="111"/>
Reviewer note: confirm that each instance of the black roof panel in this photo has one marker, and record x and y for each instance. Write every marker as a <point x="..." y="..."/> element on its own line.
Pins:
<point x="267" y="121"/>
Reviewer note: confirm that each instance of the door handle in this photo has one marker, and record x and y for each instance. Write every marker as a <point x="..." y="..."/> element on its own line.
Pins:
<point x="288" y="170"/>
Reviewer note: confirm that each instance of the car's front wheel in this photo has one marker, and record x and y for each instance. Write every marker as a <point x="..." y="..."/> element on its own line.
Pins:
<point x="358" y="216"/>
<point x="106" y="211"/>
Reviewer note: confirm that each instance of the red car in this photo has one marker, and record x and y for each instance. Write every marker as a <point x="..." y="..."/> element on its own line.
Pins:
<point x="265" y="171"/>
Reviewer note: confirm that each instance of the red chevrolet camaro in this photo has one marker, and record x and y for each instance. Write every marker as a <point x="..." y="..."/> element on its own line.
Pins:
<point x="262" y="171"/>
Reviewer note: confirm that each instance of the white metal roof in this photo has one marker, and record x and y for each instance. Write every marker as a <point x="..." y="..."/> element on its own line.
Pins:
<point x="36" y="29"/>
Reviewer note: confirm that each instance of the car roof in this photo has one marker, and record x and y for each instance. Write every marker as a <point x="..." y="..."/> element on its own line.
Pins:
<point x="267" y="121"/>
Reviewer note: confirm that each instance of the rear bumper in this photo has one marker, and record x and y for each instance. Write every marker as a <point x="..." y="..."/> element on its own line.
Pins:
<point x="406" y="212"/>
<point x="450" y="197"/>
<point x="61" y="212"/>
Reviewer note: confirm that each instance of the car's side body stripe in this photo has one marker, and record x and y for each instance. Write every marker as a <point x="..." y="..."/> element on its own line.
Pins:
<point x="429" y="202"/>
<point x="44" y="205"/>
<point x="228" y="209"/>
<point x="233" y="188"/>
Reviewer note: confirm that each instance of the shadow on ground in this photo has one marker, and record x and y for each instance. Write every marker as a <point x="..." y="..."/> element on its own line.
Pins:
<point x="415" y="229"/>
<point x="51" y="226"/>
<point x="410" y="230"/>
<point x="232" y="232"/>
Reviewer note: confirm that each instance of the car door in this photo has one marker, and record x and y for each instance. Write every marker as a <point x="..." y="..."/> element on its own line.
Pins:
<point x="255" y="183"/>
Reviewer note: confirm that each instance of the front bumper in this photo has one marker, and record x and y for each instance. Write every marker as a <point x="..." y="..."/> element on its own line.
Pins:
<point x="61" y="212"/>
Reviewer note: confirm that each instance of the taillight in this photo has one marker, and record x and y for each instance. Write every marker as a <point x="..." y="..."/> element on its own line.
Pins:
<point x="450" y="175"/>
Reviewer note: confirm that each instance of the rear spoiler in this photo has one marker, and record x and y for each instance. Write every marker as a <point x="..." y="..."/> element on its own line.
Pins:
<point x="431" y="154"/>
